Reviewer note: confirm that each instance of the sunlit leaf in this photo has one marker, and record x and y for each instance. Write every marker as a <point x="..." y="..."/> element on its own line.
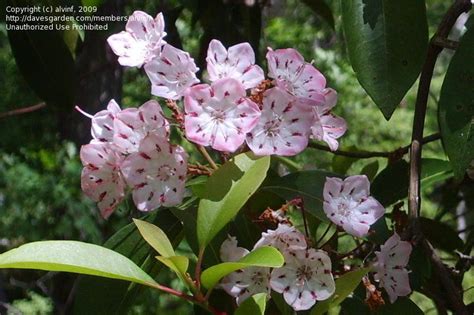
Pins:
<point x="254" y="305"/>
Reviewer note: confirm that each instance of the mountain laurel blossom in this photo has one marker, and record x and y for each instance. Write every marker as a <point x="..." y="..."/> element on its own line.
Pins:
<point x="141" y="41"/>
<point x="390" y="269"/>
<point x="101" y="179"/>
<point x="283" y="127"/>
<point x="171" y="73"/>
<point x="326" y="126"/>
<point x="246" y="282"/>
<point x="284" y="237"/>
<point x="348" y="203"/>
<point x="133" y="124"/>
<point x="156" y="173"/>
<point x="304" y="278"/>
<point x="238" y="62"/>
<point x="219" y="115"/>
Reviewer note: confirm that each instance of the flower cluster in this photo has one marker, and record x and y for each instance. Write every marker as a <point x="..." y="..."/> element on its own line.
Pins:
<point x="296" y="107"/>
<point x="304" y="278"/>
<point x="131" y="148"/>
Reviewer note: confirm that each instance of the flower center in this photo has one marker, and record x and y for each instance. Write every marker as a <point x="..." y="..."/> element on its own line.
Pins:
<point x="272" y="127"/>
<point x="165" y="173"/>
<point x="304" y="273"/>
<point x="344" y="207"/>
<point x="258" y="278"/>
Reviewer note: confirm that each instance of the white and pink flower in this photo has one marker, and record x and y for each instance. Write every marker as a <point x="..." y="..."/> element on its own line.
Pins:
<point x="219" y="115"/>
<point x="298" y="77"/>
<point x="243" y="283"/>
<point x="283" y="127"/>
<point x="133" y="124"/>
<point x="238" y="62"/>
<point x="101" y="179"/>
<point x="284" y="237"/>
<point x="304" y="278"/>
<point x="141" y="41"/>
<point x="348" y="203"/>
<point x="171" y="73"/>
<point x="390" y="269"/>
<point x="156" y="173"/>
<point x="326" y="126"/>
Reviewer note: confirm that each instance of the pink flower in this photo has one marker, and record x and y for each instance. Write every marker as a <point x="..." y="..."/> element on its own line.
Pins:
<point x="298" y="77"/>
<point x="304" y="278"/>
<point x="238" y="62"/>
<point x="133" y="124"/>
<point x="328" y="127"/>
<point x="171" y="73"/>
<point x="141" y="41"/>
<point x="103" y="121"/>
<point x="390" y="268"/>
<point x="156" y="173"/>
<point x="219" y="115"/>
<point x="347" y="203"/>
<point x="284" y="238"/>
<point x="246" y="282"/>
<point x="283" y="127"/>
<point x="101" y="179"/>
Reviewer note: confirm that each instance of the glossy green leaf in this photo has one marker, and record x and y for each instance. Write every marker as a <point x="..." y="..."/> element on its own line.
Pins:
<point x="102" y="296"/>
<point x="387" y="42"/>
<point x="370" y="170"/>
<point x="227" y="190"/>
<point x="345" y="285"/>
<point x="306" y="184"/>
<point x="441" y="235"/>
<point x="391" y="184"/>
<point x="321" y="8"/>
<point x="456" y="106"/>
<point x="402" y="305"/>
<point x="254" y="305"/>
<point x="155" y="237"/>
<point x="45" y="62"/>
<point x="76" y="257"/>
<point x="178" y="264"/>
<point x="261" y="257"/>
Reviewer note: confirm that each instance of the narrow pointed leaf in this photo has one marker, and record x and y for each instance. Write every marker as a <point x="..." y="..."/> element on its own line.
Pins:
<point x="226" y="192"/>
<point x="456" y="106"/>
<point x="387" y="42"/>
<point x="254" y="305"/>
<point x="345" y="285"/>
<point x="75" y="257"/>
<point x="260" y="257"/>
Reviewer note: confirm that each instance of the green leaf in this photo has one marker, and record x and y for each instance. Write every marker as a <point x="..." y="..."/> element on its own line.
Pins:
<point x="255" y="305"/>
<point x="391" y="184"/>
<point x="387" y="42"/>
<point x="441" y="235"/>
<point x="261" y="257"/>
<point x="101" y="296"/>
<point x="178" y="264"/>
<point x="403" y="306"/>
<point x="345" y="285"/>
<point x="76" y="257"/>
<point x="155" y="237"/>
<point x="227" y="190"/>
<point x="341" y="164"/>
<point x="370" y="170"/>
<point x="45" y="62"/>
<point x="322" y="9"/>
<point x="456" y="106"/>
<point x="306" y="184"/>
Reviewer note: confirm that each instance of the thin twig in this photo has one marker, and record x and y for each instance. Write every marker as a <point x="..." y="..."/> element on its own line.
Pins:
<point x="372" y="154"/>
<point x="206" y="155"/>
<point x="23" y="110"/>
